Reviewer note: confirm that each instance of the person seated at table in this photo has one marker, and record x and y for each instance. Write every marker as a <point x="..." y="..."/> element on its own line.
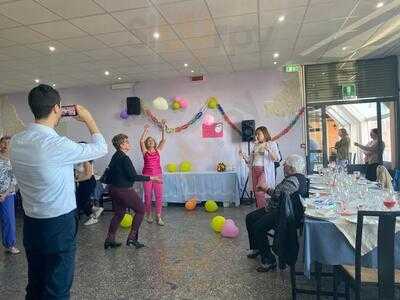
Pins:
<point x="260" y="221"/>
<point x="373" y="153"/>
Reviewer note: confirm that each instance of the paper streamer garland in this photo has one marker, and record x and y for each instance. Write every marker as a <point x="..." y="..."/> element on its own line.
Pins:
<point x="198" y="116"/>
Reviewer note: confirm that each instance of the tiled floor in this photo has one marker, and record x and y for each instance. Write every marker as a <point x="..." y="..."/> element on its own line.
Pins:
<point x="183" y="260"/>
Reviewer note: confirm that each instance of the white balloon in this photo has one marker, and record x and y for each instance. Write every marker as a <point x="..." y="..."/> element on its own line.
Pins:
<point x="160" y="103"/>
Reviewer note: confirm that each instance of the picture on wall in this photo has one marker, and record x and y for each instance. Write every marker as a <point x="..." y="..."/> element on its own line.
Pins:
<point x="214" y="130"/>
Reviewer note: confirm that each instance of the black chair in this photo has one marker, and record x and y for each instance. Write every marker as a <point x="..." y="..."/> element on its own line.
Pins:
<point x="385" y="277"/>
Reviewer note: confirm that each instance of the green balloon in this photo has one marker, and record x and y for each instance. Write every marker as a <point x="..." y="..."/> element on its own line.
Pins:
<point x="186" y="166"/>
<point x="171" y="167"/>
<point x="211" y="206"/>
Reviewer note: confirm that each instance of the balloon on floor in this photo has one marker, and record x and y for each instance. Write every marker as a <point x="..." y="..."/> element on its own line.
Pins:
<point x="126" y="221"/>
<point x="191" y="203"/>
<point x="217" y="223"/>
<point x="230" y="230"/>
<point x="211" y="206"/>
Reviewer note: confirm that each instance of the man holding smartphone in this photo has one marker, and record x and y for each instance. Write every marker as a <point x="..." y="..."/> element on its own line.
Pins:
<point x="43" y="165"/>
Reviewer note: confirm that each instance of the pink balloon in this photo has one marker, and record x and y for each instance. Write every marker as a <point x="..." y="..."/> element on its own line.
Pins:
<point x="124" y="115"/>
<point x="229" y="221"/>
<point x="208" y="119"/>
<point x="184" y="103"/>
<point x="177" y="98"/>
<point x="230" y="230"/>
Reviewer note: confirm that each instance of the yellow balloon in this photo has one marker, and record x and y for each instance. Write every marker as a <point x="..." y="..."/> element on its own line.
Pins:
<point x="126" y="221"/>
<point x="211" y="206"/>
<point x="176" y="105"/>
<point x="171" y="167"/>
<point x="217" y="223"/>
<point x="212" y="102"/>
<point x="185" y="166"/>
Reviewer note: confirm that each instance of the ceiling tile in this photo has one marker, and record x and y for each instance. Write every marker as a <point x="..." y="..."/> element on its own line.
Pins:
<point x="148" y="59"/>
<point x="22" y="35"/>
<point x="4" y="57"/>
<point x="247" y="58"/>
<point x="167" y="46"/>
<point x="195" y="29"/>
<point x="282" y="31"/>
<point x="165" y="31"/>
<point x="218" y="59"/>
<point x="122" y="4"/>
<point x="134" y="50"/>
<point x="101" y="54"/>
<point x="281" y="4"/>
<point x="140" y="18"/>
<point x="7" y="23"/>
<point x="246" y="66"/>
<point x="277" y="45"/>
<point x="292" y="16"/>
<point x="329" y="11"/>
<point x="211" y="41"/>
<point x="158" y="2"/>
<point x="185" y="11"/>
<point x="303" y="43"/>
<point x="43" y="47"/>
<point x="219" y="69"/>
<point x="179" y="56"/>
<point x="6" y="43"/>
<point x="243" y="48"/>
<point x="18" y="11"/>
<point x="207" y="52"/>
<point x="157" y="67"/>
<point x="118" y="38"/>
<point x="72" y="8"/>
<point x="83" y="43"/>
<point x="237" y="23"/>
<point x="98" y="24"/>
<point x="236" y="38"/>
<point x="59" y="30"/>
<point x="321" y="28"/>
<point x="223" y="8"/>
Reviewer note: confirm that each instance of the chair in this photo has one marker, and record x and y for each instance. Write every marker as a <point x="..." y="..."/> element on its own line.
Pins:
<point x="385" y="277"/>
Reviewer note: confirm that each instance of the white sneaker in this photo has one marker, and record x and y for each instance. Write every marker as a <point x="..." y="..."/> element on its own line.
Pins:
<point x="92" y="220"/>
<point x="97" y="211"/>
<point x="13" y="250"/>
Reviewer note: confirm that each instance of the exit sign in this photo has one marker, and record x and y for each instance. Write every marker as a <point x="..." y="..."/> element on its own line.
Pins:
<point x="349" y="91"/>
<point x="291" y="68"/>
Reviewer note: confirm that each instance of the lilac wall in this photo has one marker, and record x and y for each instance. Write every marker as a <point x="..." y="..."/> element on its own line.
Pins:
<point x="242" y="95"/>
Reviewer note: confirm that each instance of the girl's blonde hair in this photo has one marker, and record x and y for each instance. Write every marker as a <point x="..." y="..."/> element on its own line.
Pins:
<point x="146" y="141"/>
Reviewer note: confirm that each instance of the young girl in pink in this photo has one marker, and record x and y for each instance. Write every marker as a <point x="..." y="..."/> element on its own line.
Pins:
<point x="152" y="167"/>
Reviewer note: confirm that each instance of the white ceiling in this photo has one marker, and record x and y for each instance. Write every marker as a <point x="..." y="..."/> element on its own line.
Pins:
<point x="212" y="36"/>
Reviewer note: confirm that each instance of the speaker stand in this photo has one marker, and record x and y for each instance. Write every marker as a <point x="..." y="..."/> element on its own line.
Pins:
<point x="249" y="199"/>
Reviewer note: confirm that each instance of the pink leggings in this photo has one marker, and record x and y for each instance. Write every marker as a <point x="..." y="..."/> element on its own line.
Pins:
<point x="149" y="187"/>
<point x="258" y="178"/>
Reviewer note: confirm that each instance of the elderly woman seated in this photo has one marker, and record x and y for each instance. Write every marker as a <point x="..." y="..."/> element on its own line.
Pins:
<point x="260" y="221"/>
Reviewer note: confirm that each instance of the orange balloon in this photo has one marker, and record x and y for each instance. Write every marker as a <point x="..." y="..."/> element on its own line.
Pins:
<point x="191" y="204"/>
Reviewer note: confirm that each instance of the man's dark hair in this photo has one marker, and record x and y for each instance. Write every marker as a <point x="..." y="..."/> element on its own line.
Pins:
<point x="42" y="99"/>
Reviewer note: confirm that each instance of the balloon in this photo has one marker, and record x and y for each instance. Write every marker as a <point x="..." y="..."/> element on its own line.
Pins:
<point x="176" y="105"/>
<point x="186" y="166"/>
<point x="184" y="103"/>
<point x="124" y="115"/>
<point x="126" y="221"/>
<point x="160" y="103"/>
<point x="208" y="119"/>
<point x="191" y="203"/>
<point x="217" y="223"/>
<point x="211" y="206"/>
<point x="171" y="167"/>
<point x="230" y="230"/>
<point x="212" y="102"/>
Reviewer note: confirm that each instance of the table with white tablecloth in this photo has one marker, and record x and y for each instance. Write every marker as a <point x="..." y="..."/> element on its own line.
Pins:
<point x="219" y="186"/>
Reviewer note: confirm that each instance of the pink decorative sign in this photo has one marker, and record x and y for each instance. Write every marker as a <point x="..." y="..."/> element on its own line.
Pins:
<point x="214" y="130"/>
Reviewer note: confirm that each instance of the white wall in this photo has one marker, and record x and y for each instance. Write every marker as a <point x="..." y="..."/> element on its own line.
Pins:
<point x="242" y="95"/>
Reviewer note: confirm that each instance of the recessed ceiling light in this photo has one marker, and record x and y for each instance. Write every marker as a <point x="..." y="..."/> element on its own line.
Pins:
<point x="119" y="78"/>
<point x="185" y="65"/>
<point x="276" y="55"/>
<point x="344" y="48"/>
<point x="323" y="73"/>
<point x="52" y="49"/>
<point x="379" y="4"/>
<point x="106" y="73"/>
<point x="53" y="85"/>
<point x="37" y="80"/>
<point x="275" y="62"/>
<point x="191" y="71"/>
<point x="156" y="35"/>
<point x="281" y="18"/>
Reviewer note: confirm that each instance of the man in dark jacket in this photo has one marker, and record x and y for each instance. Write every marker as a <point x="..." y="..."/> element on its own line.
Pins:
<point x="260" y="221"/>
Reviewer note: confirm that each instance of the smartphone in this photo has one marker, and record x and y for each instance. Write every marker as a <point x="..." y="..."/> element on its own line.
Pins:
<point x="68" y="110"/>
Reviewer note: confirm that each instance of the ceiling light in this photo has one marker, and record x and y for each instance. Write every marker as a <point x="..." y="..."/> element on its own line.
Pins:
<point x="106" y="73"/>
<point x="53" y="85"/>
<point x="119" y="78"/>
<point x="52" y="49"/>
<point x="281" y="18"/>
<point x="156" y="35"/>
<point x="37" y="80"/>
<point x="191" y="71"/>
<point x="379" y="4"/>
<point x="275" y="62"/>
<point x="185" y="65"/>
<point x="344" y="48"/>
<point x="276" y="55"/>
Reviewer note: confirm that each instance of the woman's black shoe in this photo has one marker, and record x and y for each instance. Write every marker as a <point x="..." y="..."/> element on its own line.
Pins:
<point x="266" y="267"/>
<point x="111" y="244"/>
<point x="253" y="255"/>
<point x="136" y="244"/>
